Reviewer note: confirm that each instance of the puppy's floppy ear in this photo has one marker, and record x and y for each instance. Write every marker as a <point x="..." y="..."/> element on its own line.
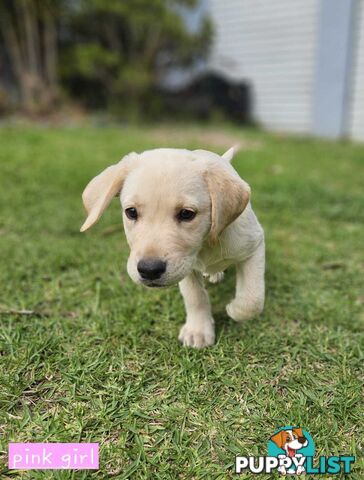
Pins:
<point x="102" y="188"/>
<point x="278" y="439"/>
<point x="229" y="196"/>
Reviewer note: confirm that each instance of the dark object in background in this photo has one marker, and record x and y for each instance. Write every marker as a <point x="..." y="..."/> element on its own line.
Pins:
<point x="207" y="94"/>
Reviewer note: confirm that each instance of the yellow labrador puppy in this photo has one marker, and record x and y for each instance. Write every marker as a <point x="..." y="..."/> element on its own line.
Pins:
<point x="186" y="215"/>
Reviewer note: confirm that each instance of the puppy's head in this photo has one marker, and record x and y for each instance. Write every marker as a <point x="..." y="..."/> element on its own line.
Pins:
<point x="172" y="201"/>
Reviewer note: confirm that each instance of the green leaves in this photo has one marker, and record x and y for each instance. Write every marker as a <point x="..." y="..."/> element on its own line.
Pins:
<point x="126" y="47"/>
<point x="90" y="60"/>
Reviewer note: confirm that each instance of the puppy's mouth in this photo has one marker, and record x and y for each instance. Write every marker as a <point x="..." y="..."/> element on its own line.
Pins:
<point x="163" y="281"/>
<point x="153" y="283"/>
<point x="169" y="278"/>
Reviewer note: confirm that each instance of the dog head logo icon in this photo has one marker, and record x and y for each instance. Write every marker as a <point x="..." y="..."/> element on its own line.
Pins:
<point x="290" y="440"/>
<point x="290" y="443"/>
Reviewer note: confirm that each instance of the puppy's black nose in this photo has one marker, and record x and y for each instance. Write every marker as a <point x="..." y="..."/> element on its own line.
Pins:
<point x="302" y="440"/>
<point x="151" y="268"/>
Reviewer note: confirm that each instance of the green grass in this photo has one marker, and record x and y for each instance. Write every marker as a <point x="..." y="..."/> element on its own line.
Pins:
<point x="97" y="357"/>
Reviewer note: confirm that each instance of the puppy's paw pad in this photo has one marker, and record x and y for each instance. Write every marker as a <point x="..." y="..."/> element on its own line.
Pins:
<point x="217" y="277"/>
<point x="197" y="337"/>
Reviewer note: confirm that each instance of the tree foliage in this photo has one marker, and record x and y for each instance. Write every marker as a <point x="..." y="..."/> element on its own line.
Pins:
<point x="104" y="52"/>
<point x="29" y="33"/>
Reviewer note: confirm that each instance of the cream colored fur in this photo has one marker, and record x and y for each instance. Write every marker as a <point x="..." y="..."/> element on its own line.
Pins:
<point x="225" y="231"/>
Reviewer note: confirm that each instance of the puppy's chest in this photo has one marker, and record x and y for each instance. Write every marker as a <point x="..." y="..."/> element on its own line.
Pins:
<point x="216" y="267"/>
<point x="231" y="249"/>
<point x="214" y="260"/>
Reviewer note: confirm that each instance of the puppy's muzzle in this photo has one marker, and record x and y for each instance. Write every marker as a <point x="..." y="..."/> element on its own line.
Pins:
<point x="151" y="268"/>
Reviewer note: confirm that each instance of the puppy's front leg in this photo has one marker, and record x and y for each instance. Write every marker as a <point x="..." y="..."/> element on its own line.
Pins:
<point x="249" y="296"/>
<point x="198" y="331"/>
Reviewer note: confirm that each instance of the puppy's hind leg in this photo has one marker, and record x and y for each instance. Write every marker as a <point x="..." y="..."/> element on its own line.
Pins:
<point x="250" y="290"/>
<point x="198" y="331"/>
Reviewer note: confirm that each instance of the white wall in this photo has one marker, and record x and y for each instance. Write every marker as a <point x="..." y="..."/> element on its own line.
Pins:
<point x="356" y="126"/>
<point x="272" y="44"/>
<point x="334" y="66"/>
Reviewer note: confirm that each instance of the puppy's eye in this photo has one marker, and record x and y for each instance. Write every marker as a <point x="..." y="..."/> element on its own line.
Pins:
<point x="131" y="213"/>
<point x="185" y="215"/>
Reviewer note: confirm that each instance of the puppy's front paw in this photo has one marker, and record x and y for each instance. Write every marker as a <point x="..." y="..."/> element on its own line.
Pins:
<point x="216" y="277"/>
<point x="197" y="336"/>
<point x="239" y="310"/>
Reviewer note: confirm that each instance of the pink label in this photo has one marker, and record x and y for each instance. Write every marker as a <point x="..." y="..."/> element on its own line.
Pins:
<point x="53" y="456"/>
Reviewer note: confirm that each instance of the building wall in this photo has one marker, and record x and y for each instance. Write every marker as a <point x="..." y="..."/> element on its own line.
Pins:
<point x="271" y="44"/>
<point x="356" y="125"/>
<point x="334" y="68"/>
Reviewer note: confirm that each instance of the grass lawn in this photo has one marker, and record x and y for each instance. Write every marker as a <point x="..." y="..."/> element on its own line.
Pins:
<point x="86" y="355"/>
